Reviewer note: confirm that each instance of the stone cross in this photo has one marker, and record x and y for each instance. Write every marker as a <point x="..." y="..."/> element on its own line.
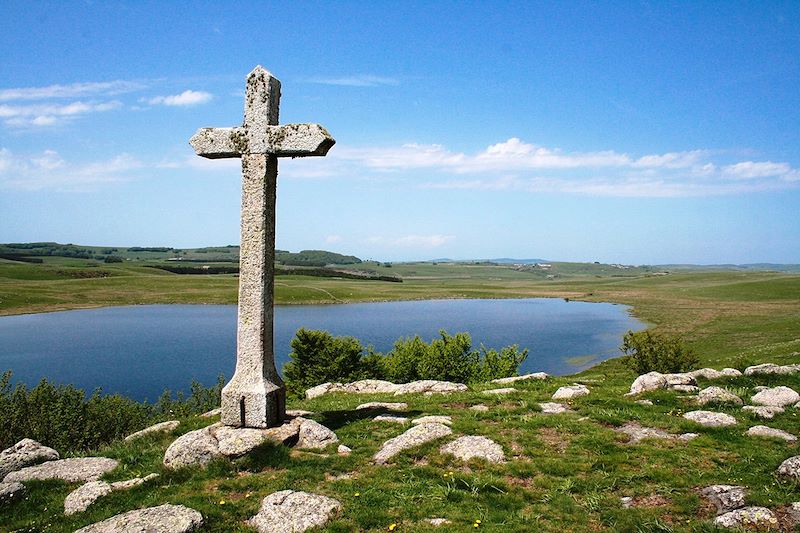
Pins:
<point x="255" y="396"/>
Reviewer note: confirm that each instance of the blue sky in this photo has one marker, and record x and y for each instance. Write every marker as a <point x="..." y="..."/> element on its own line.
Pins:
<point x="632" y="132"/>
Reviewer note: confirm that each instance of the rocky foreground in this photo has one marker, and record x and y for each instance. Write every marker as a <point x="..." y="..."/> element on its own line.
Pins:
<point x="456" y="438"/>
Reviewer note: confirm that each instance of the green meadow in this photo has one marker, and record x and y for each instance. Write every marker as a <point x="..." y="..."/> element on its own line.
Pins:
<point x="563" y="472"/>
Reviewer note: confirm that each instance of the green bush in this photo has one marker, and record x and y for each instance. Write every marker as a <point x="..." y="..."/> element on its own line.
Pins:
<point x="318" y="357"/>
<point x="647" y="351"/>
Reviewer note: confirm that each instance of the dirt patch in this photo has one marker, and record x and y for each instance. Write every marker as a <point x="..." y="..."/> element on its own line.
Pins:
<point x="554" y="439"/>
<point x="648" y="502"/>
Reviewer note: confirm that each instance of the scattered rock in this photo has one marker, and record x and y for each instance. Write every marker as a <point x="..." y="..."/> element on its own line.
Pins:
<point x="770" y="368"/>
<point x="725" y="497"/>
<point x="688" y="436"/>
<point x="656" y="380"/>
<point x="717" y="395"/>
<point x="11" y="491"/>
<point x="759" y="388"/>
<point x="433" y="419"/>
<point x="391" y="418"/>
<point x="480" y="408"/>
<point x="793" y="510"/>
<point x="81" y="498"/>
<point x="710" y="373"/>
<point x="129" y="483"/>
<point x="644" y="402"/>
<point x="162" y="519"/>
<point x="776" y="396"/>
<point x="389" y="406"/>
<point x="685" y="388"/>
<point x="710" y="418"/>
<point x="790" y="467"/>
<point x="26" y="452"/>
<point x="213" y="412"/>
<point x="314" y="435"/>
<point x="570" y="391"/>
<point x="198" y="447"/>
<point x="412" y="437"/>
<point x="514" y="379"/>
<point x="436" y="522"/>
<point x="71" y="470"/>
<point x="430" y="386"/>
<point x="626" y="501"/>
<point x="552" y="408"/>
<point x="235" y="442"/>
<point x="294" y="413"/>
<point x="764" y="431"/>
<point x="289" y="511"/>
<point x="747" y="516"/>
<point x="507" y="390"/>
<point x="343" y="450"/>
<point x="470" y="447"/>
<point x="763" y="411"/>
<point x="377" y="386"/>
<point x="169" y="425"/>
<point x="286" y="433"/>
<point x="637" y="432"/>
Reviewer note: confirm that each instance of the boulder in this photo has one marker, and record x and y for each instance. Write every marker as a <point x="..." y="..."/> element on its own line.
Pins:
<point x="514" y="379"/>
<point x="717" y="395"/>
<point x="480" y="408"/>
<point x="750" y="517"/>
<point x="389" y="406"/>
<point x="433" y="419"/>
<point x="790" y="467"/>
<point x="776" y="396"/>
<point x="235" y="442"/>
<point x="637" y="432"/>
<point x="770" y="368"/>
<point x="506" y="390"/>
<point x="289" y="511"/>
<point x="656" y="380"/>
<point x="430" y="386"/>
<point x="162" y="519"/>
<point x="725" y="497"/>
<point x="11" y="491"/>
<point x="411" y="438"/>
<point x="570" y="391"/>
<point x="26" y="452"/>
<point x="81" y="498"/>
<point x="685" y="388"/>
<point x="294" y="413"/>
<point x="391" y="418"/>
<point x="71" y="470"/>
<point x="169" y="425"/>
<point x="763" y="411"/>
<point x="764" y="431"/>
<point x="710" y="418"/>
<point x="128" y="483"/>
<point x="471" y="447"/>
<point x="213" y="412"/>
<point x="343" y="450"/>
<point x="710" y="373"/>
<point x="198" y="447"/>
<point x="644" y="402"/>
<point x="377" y="386"/>
<point x="552" y="408"/>
<point x="314" y="435"/>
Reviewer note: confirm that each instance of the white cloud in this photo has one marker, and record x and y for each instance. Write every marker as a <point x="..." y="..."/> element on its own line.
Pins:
<point x="333" y="239"/>
<point x="753" y="169"/>
<point x="186" y="98"/>
<point x="357" y="80"/>
<point x="411" y="241"/>
<point x="51" y="114"/>
<point x="74" y="90"/>
<point x="48" y="170"/>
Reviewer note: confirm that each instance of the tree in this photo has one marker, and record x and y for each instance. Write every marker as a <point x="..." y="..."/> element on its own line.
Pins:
<point x="647" y="351"/>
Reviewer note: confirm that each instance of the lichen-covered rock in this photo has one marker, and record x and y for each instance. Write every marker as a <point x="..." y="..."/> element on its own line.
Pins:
<point x="377" y="386"/>
<point x="11" y="491"/>
<point x="471" y="447"/>
<point x="553" y="408"/>
<point x="637" y="432"/>
<point x="747" y="517"/>
<point x="514" y="379"/>
<point x="433" y="419"/>
<point x="764" y="431"/>
<point x="289" y="511"/>
<point x="790" y="467"/>
<point x="763" y="411"/>
<point x="776" y="396"/>
<point x="430" y="386"/>
<point x="685" y="388"/>
<point x="314" y="435"/>
<point x="725" y="497"/>
<point x="213" y="412"/>
<point x="389" y="406"/>
<point x="770" y="368"/>
<point x="344" y="450"/>
<point x="133" y="482"/>
<point x="294" y="413"/>
<point x="391" y="418"/>
<point x="571" y="391"/>
<point x="656" y="380"/>
<point x="436" y="522"/>
<point x="710" y="373"/>
<point x="26" y="452"/>
<point x="169" y="425"/>
<point x="717" y="395"/>
<point x="198" y="447"/>
<point x="411" y="438"/>
<point x="235" y="442"/>
<point x="81" y="498"/>
<point x="506" y="390"/>
<point x="480" y="408"/>
<point x="71" y="470"/>
<point x="162" y="519"/>
<point x="710" y="418"/>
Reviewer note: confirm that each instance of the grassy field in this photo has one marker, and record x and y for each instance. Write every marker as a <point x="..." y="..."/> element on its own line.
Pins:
<point x="564" y="472"/>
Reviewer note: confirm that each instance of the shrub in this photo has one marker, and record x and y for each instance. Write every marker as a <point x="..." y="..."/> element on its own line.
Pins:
<point x="647" y="351"/>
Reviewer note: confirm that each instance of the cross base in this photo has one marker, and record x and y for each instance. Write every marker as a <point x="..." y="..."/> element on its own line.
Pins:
<point x="253" y="405"/>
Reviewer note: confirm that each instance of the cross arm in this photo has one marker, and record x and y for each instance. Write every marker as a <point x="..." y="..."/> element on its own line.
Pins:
<point x="290" y="140"/>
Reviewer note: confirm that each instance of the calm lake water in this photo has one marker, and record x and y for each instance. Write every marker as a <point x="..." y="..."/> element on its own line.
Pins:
<point x="140" y="351"/>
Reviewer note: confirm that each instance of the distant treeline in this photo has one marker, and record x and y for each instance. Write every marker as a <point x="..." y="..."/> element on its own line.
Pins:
<point x="21" y="258"/>
<point x="314" y="258"/>
<point x="150" y="249"/>
<point x="282" y="271"/>
<point x="208" y="269"/>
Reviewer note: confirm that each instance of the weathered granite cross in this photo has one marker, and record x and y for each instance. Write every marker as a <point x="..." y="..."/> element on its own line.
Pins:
<point x="256" y="396"/>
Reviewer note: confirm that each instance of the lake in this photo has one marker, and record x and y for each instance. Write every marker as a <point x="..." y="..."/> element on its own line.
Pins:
<point x="140" y="351"/>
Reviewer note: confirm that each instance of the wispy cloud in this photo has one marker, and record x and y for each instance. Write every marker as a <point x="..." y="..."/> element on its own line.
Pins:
<point x="48" y="170"/>
<point x="357" y="80"/>
<point x="186" y="98"/>
<point x="74" y="90"/>
<point x="51" y="114"/>
<point x="412" y="241"/>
